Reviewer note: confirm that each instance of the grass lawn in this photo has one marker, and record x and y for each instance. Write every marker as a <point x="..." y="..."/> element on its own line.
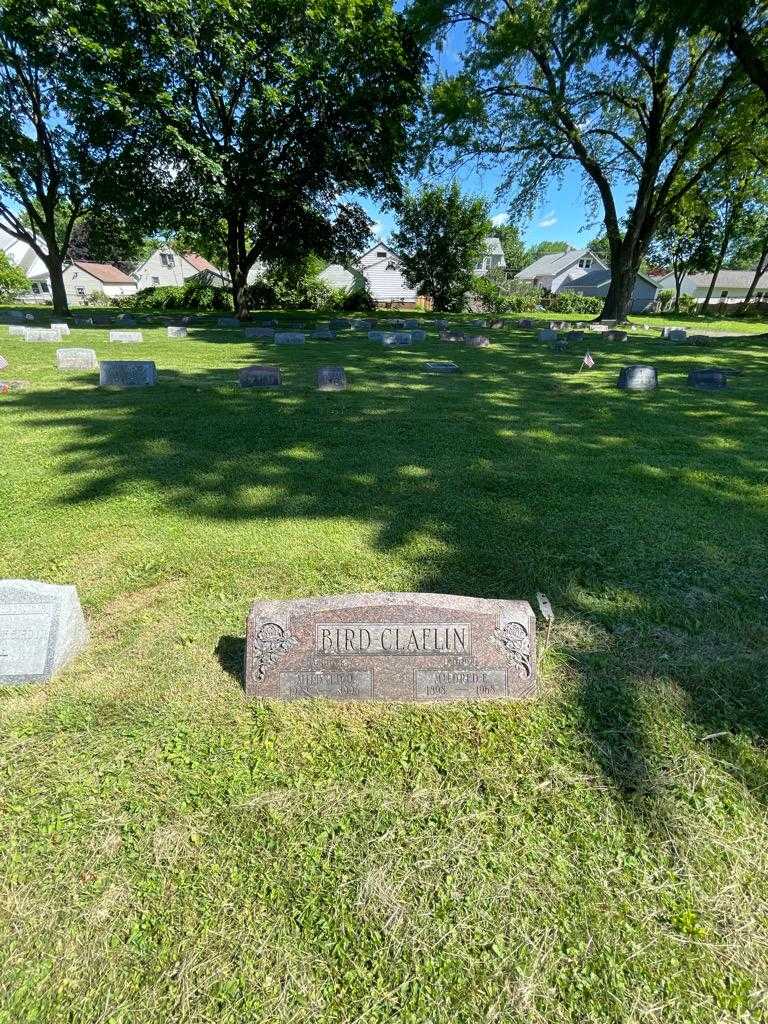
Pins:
<point x="173" y="852"/>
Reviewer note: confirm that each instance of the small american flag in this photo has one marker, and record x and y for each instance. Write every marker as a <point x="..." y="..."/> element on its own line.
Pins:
<point x="589" y="362"/>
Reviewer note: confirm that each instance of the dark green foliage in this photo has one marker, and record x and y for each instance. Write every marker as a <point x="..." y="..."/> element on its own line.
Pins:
<point x="13" y="280"/>
<point x="192" y="295"/>
<point x="573" y="302"/>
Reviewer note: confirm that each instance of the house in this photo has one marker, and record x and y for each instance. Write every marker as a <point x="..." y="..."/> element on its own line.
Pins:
<point x="731" y="286"/>
<point x="167" y="267"/>
<point x="493" y="257"/>
<point x="380" y="266"/>
<point x="83" y="279"/>
<point x="22" y="255"/>
<point x="584" y="272"/>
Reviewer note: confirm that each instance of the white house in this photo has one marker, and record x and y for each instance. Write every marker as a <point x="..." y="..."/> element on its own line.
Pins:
<point x="83" y="278"/>
<point x="731" y="286"/>
<point x="22" y="255"/>
<point x="583" y="271"/>
<point x="167" y="267"/>
<point x="380" y="266"/>
<point x="493" y="257"/>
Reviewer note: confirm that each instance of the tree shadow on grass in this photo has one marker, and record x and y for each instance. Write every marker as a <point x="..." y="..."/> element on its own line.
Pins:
<point x="515" y="476"/>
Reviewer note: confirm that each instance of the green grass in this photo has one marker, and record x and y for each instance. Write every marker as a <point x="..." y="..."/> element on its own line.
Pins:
<point x="170" y="851"/>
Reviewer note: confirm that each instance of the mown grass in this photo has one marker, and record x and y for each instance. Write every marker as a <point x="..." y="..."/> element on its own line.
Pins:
<point x="170" y="851"/>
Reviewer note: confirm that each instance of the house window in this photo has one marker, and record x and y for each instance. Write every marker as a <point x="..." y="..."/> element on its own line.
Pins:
<point x="35" y="289"/>
<point x="44" y="286"/>
<point x="167" y="260"/>
<point x="723" y="295"/>
<point x="381" y="254"/>
<point x="155" y="281"/>
<point x="585" y="264"/>
<point x="80" y="293"/>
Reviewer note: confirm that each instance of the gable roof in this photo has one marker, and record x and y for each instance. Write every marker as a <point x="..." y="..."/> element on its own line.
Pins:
<point x="727" y="279"/>
<point x="200" y="263"/>
<point x="104" y="272"/>
<point x="553" y="263"/>
<point x="493" y="246"/>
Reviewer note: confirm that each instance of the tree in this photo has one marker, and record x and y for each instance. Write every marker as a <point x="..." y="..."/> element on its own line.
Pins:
<point x="685" y="241"/>
<point x="105" y="237"/>
<point x="440" y="239"/>
<point x="545" y="85"/>
<point x="601" y="247"/>
<point x="66" y="134"/>
<point x="511" y="244"/>
<point x="544" y="249"/>
<point x="275" y="112"/>
<point x="13" y="280"/>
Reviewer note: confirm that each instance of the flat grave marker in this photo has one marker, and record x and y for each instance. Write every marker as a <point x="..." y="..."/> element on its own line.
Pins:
<point x="76" y="359"/>
<point x="391" y="647"/>
<point x="441" y="366"/>
<point x="260" y="376"/>
<point x="42" y="627"/>
<point x="41" y="334"/>
<point x="127" y="337"/>
<point x="177" y="332"/>
<point x="127" y="373"/>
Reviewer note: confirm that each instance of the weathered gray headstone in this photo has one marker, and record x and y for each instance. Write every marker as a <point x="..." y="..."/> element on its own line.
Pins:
<point x="126" y="336"/>
<point x="391" y="647"/>
<point x="83" y="321"/>
<point x="363" y="325"/>
<point x="63" y="329"/>
<point x="615" y="335"/>
<point x="438" y="366"/>
<point x="127" y="373"/>
<point x="289" y="338"/>
<point x="177" y="332"/>
<point x="418" y="335"/>
<point x="16" y="331"/>
<point x="453" y="337"/>
<point x="546" y="334"/>
<point x="638" y="378"/>
<point x="708" y="379"/>
<point x="228" y="321"/>
<point x="331" y="378"/>
<point x="397" y="339"/>
<point x="76" y="359"/>
<point x="42" y="627"/>
<point x="41" y="334"/>
<point x="477" y="341"/>
<point x="678" y="334"/>
<point x="259" y="376"/>
<point x="259" y="332"/>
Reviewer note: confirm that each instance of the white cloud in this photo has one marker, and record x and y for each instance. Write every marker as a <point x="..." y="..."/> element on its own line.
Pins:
<point x="376" y="228"/>
<point x="548" y="220"/>
<point x="499" y="219"/>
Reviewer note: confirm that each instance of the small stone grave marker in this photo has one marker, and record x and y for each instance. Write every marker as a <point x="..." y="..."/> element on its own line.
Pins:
<point x="42" y="627"/>
<point x="331" y="378"/>
<point x="260" y="376"/>
<point x="127" y="373"/>
<point x="708" y="379"/>
<point x="289" y="338"/>
<point x="16" y="330"/>
<point x="391" y="647"/>
<point x="546" y="334"/>
<point x="227" y="321"/>
<point x="41" y="334"/>
<point x="259" y="332"/>
<point x="127" y="337"/>
<point x="638" y="378"/>
<point x="63" y="329"/>
<point x="441" y="366"/>
<point x="177" y="332"/>
<point x="76" y="359"/>
<point x="477" y="341"/>
<point x="397" y="339"/>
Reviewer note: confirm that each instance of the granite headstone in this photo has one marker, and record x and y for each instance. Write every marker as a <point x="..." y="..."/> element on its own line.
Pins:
<point x="41" y="334"/>
<point x="42" y="627"/>
<point x="708" y="379"/>
<point x="63" y="329"/>
<point x="477" y="341"/>
<point x="127" y="373"/>
<point x="637" y="378"/>
<point x="76" y="359"/>
<point x="331" y="378"/>
<point x="391" y="647"/>
<point x="177" y="332"/>
<point x="260" y="376"/>
<point x="126" y="336"/>
<point x="289" y="338"/>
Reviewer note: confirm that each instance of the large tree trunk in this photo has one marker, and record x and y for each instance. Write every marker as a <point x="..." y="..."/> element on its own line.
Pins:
<point x="237" y="263"/>
<point x="625" y="263"/>
<point x="718" y="267"/>
<point x="54" y="263"/>
<point x="761" y="268"/>
<point x="748" y="54"/>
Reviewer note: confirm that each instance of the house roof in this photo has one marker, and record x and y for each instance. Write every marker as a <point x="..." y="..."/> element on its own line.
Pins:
<point x="554" y="263"/>
<point x="728" y="279"/>
<point x="104" y="272"/>
<point x="493" y="246"/>
<point x="200" y="263"/>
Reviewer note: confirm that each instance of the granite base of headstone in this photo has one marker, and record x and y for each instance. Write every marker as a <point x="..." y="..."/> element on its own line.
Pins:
<point x="126" y="337"/>
<point x="176" y="332"/>
<point x="260" y="376"/>
<point x="710" y="379"/>
<point x="76" y="359"/>
<point x="42" y="628"/>
<point x="289" y="338"/>
<point x="441" y="366"/>
<point x="127" y="373"/>
<point x="477" y="341"/>
<point x="638" y="378"/>
<point x="391" y="647"/>
<point x="41" y="334"/>
<point x="331" y="378"/>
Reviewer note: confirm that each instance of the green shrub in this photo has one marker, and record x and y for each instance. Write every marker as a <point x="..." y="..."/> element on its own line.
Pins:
<point x="498" y="292"/>
<point x="295" y="286"/>
<point x="192" y="295"/>
<point x="573" y="302"/>
<point x="13" y="280"/>
<point x="665" y="298"/>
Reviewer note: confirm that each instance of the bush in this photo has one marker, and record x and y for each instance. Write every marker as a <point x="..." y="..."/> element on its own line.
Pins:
<point x="298" y="286"/>
<point x="574" y="302"/>
<point x="193" y="295"/>
<point x="665" y="298"/>
<point x="498" y="292"/>
<point x="688" y="305"/>
<point x="13" y="280"/>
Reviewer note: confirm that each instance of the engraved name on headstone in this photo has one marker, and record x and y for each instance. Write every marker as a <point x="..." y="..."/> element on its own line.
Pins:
<point x="385" y="647"/>
<point x="41" y="628"/>
<point x="127" y="373"/>
<point x="260" y="376"/>
<point x="126" y="336"/>
<point x="331" y="378"/>
<point x="76" y="359"/>
<point x="637" y="378"/>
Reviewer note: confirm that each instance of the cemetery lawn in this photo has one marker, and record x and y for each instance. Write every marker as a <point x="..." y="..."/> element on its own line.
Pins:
<point x="170" y="851"/>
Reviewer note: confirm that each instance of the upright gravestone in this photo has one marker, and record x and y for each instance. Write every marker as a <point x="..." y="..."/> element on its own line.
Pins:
<point x="259" y="332"/>
<point x="42" y="627"/>
<point x="127" y="337"/>
<point x="259" y="376"/>
<point x="391" y="647"/>
<point x="452" y="337"/>
<point x="76" y="359"/>
<point x="397" y="339"/>
<point x="418" y="335"/>
<point x="228" y="321"/>
<point x="331" y="378"/>
<point x="441" y="366"/>
<point x="708" y="379"/>
<point x="127" y="373"/>
<point x="637" y="378"/>
<point x="289" y="338"/>
<point x="177" y="332"/>
<point x="678" y="334"/>
<point x="63" y="329"/>
<point x="363" y="325"/>
<point x="41" y="334"/>
<point x="16" y="330"/>
<point x="477" y="341"/>
<point x="546" y="334"/>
